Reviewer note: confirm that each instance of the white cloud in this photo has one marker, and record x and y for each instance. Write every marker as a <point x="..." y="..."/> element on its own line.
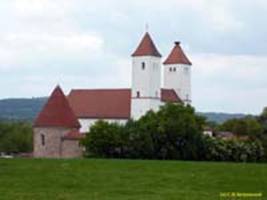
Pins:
<point x="41" y="33"/>
<point x="42" y="8"/>
<point x="236" y="66"/>
<point x="220" y="15"/>
<point x="229" y="83"/>
<point x="30" y="49"/>
<point x="50" y="41"/>
<point x="81" y="43"/>
<point x="116" y="75"/>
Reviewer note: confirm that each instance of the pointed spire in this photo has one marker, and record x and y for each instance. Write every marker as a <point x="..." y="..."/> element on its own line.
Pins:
<point x="57" y="112"/>
<point x="146" y="47"/>
<point x="177" y="56"/>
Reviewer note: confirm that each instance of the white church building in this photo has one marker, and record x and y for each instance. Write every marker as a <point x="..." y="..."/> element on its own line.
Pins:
<point x="59" y="126"/>
<point x="147" y="92"/>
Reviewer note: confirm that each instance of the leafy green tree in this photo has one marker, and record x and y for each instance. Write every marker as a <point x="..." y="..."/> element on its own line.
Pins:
<point x="174" y="132"/>
<point x="263" y="120"/>
<point x="104" y="140"/>
<point x="171" y="133"/>
<point x="248" y="126"/>
<point x="264" y="114"/>
<point x="15" y="137"/>
<point x="212" y="124"/>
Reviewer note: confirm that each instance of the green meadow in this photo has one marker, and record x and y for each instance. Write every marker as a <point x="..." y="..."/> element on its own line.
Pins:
<point x="97" y="179"/>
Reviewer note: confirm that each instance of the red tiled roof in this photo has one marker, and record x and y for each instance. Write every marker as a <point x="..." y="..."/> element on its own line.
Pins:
<point x="177" y="56"/>
<point x="146" y="47"/>
<point x="169" y="95"/>
<point x="103" y="103"/>
<point x="57" y="112"/>
<point x="108" y="103"/>
<point x="74" y="135"/>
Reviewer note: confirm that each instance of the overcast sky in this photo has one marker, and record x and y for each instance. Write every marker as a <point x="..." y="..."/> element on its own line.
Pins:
<point x="87" y="44"/>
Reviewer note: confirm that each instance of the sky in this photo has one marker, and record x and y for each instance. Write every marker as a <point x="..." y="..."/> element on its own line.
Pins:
<point x="87" y="44"/>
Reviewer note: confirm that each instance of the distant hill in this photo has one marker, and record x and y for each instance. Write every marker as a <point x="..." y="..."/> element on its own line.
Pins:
<point x="20" y="109"/>
<point x="23" y="109"/>
<point x="221" y="117"/>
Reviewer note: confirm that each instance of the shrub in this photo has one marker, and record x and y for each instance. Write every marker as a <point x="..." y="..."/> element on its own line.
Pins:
<point x="233" y="150"/>
<point x="174" y="132"/>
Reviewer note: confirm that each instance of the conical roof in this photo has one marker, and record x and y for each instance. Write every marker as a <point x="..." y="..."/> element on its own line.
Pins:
<point x="146" y="47"/>
<point x="177" y="56"/>
<point x="57" y="112"/>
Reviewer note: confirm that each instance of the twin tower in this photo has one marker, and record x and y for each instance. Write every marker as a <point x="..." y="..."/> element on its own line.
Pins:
<point x="147" y="72"/>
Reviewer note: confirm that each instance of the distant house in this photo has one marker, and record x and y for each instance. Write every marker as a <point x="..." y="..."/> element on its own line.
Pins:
<point x="208" y="131"/>
<point x="225" y="135"/>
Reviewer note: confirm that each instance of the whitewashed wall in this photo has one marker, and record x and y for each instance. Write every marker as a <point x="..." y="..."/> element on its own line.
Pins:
<point x="140" y="107"/>
<point x="86" y="123"/>
<point x="147" y="82"/>
<point x="208" y="132"/>
<point x="179" y="80"/>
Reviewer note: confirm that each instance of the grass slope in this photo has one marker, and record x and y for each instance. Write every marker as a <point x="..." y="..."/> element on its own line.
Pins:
<point x="125" y="179"/>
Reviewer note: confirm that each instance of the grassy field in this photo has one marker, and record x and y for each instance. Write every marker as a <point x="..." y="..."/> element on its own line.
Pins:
<point x="26" y="179"/>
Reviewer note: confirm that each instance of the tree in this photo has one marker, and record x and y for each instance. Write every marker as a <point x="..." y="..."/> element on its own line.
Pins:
<point x="263" y="120"/>
<point x="15" y="137"/>
<point x="104" y="140"/>
<point x="264" y="114"/>
<point x="174" y="132"/>
<point x="247" y="126"/>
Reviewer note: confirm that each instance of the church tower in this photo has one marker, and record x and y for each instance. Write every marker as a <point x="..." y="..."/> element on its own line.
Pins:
<point x="177" y="73"/>
<point x="146" y="78"/>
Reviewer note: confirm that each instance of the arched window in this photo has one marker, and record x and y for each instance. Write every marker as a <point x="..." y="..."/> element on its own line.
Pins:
<point x="174" y="69"/>
<point x="170" y="69"/>
<point x="43" y="139"/>
<point x="143" y="66"/>
<point x="137" y="94"/>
